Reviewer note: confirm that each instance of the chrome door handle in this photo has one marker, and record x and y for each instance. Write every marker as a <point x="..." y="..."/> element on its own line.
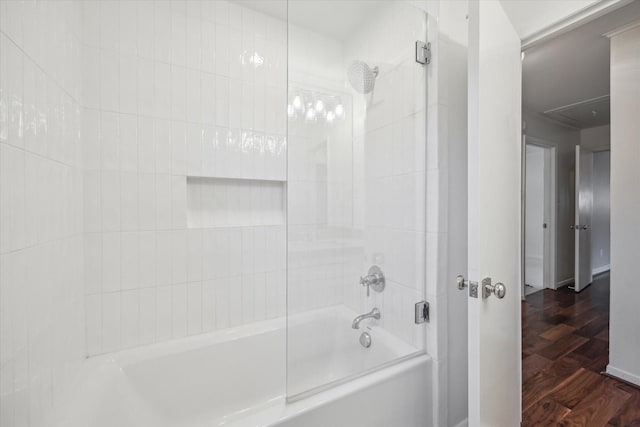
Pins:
<point x="499" y="290"/>
<point x="572" y="226"/>
<point x="584" y="227"/>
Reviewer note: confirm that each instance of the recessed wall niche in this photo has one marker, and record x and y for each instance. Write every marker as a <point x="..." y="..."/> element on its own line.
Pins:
<point x="228" y="202"/>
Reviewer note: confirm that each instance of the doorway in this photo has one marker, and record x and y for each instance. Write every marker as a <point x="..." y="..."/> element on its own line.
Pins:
<point x="539" y="171"/>
<point x="565" y="328"/>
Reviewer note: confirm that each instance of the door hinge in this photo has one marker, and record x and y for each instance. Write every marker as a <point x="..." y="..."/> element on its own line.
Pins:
<point x="423" y="52"/>
<point x="422" y="312"/>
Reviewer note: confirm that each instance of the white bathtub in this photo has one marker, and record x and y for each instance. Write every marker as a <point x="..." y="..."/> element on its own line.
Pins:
<point x="237" y="378"/>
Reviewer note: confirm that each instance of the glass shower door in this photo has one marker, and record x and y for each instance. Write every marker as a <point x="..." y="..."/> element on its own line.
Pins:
<point x="355" y="189"/>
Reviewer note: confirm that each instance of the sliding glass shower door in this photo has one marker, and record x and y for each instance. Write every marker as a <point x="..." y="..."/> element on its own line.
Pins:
<point x="355" y="189"/>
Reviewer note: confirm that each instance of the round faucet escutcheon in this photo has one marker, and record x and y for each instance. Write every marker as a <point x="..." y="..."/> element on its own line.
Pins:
<point x="365" y="340"/>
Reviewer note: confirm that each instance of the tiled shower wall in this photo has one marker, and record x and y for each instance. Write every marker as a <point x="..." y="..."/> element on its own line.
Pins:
<point x="372" y="166"/>
<point x="389" y="167"/>
<point x="321" y="240"/>
<point x="42" y="341"/>
<point x="181" y="112"/>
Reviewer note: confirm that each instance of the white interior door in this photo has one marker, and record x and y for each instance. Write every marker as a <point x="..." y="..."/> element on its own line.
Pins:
<point x="494" y="216"/>
<point x="534" y="247"/>
<point x="583" y="212"/>
<point x="547" y="219"/>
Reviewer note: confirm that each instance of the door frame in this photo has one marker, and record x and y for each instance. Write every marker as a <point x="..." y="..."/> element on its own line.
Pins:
<point x="549" y="257"/>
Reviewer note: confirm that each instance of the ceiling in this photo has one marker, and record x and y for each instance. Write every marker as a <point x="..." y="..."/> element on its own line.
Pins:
<point x="568" y="76"/>
<point x="530" y="16"/>
<point x="319" y="15"/>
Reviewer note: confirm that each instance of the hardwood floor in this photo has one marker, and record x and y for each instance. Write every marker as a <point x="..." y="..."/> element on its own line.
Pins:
<point x="565" y="347"/>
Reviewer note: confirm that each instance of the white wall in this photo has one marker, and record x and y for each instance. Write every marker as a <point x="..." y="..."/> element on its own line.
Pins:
<point x="389" y="165"/>
<point x="601" y="218"/>
<point x="624" y="340"/>
<point x="534" y="215"/>
<point x="321" y="245"/>
<point x="41" y="303"/>
<point x="565" y="139"/>
<point x="596" y="139"/>
<point x="171" y="90"/>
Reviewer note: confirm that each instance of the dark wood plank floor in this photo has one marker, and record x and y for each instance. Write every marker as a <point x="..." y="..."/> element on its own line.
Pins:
<point x="565" y="347"/>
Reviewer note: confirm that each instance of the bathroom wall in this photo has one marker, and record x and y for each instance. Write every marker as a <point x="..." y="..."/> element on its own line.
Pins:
<point x="184" y="165"/>
<point x="369" y="169"/>
<point x="322" y="244"/>
<point x="389" y="143"/>
<point x="41" y="295"/>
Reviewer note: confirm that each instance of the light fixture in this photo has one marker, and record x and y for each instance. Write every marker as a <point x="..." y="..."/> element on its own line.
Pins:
<point x="256" y="59"/>
<point x="310" y="115"/>
<point x="316" y="108"/>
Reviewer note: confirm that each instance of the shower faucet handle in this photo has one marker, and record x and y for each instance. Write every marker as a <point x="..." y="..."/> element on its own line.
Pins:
<point x="374" y="279"/>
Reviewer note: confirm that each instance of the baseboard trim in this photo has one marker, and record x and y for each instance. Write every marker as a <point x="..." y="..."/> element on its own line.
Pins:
<point x="463" y="423"/>
<point x="623" y="375"/>
<point x="564" y="282"/>
<point x="601" y="270"/>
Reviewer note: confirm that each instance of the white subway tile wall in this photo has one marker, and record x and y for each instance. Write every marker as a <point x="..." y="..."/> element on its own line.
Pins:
<point x="357" y="188"/>
<point x="143" y="168"/>
<point x="42" y="337"/>
<point x="184" y="126"/>
<point x="390" y="163"/>
<point x="322" y="243"/>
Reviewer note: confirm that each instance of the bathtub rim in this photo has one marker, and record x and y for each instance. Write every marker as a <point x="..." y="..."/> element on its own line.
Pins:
<point x="420" y="353"/>
<point x="282" y="411"/>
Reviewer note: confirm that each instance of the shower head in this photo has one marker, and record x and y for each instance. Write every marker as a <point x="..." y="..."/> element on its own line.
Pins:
<point x="362" y="77"/>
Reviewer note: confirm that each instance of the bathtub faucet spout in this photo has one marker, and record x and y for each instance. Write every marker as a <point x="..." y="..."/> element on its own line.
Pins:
<point x="373" y="314"/>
